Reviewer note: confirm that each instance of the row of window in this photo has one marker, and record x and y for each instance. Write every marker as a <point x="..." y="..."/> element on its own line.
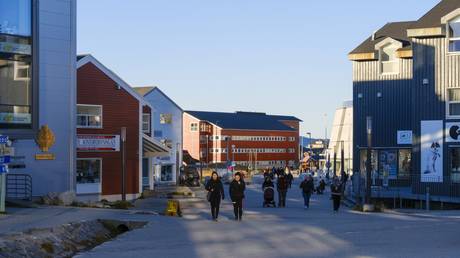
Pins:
<point x="391" y="163"/>
<point x="247" y="138"/>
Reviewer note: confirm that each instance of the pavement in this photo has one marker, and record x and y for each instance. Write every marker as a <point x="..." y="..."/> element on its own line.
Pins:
<point x="289" y="232"/>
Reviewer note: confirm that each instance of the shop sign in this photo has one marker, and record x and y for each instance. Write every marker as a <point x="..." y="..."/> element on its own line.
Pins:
<point x="15" y="118"/>
<point x="14" y="48"/>
<point x="432" y="135"/>
<point x="98" y="143"/>
<point x="5" y="160"/>
<point x="45" y="156"/>
<point x="3" y="139"/>
<point x="404" y="137"/>
<point x="453" y="132"/>
<point x="3" y="169"/>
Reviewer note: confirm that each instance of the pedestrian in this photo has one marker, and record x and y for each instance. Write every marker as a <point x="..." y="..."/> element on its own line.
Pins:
<point x="237" y="188"/>
<point x="336" y="194"/>
<point x="282" y="187"/>
<point x="290" y="178"/>
<point x="308" y="188"/>
<point x="321" y="187"/>
<point x="215" y="190"/>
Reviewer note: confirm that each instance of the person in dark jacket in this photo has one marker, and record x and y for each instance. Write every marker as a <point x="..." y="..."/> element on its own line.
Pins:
<point x="282" y="187"/>
<point x="336" y="192"/>
<point x="237" y="188"/>
<point x="290" y="178"/>
<point x="267" y="183"/>
<point x="308" y="188"/>
<point x="215" y="190"/>
<point x="321" y="187"/>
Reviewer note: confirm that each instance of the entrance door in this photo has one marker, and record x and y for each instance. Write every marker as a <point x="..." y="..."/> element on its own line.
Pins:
<point x="145" y="173"/>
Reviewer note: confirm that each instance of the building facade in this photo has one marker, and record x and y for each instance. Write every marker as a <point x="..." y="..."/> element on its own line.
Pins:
<point x="167" y="120"/>
<point x="256" y="140"/>
<point x="342" y="139"/>
<point x="100" y="94"/>
<point x="37" y="90"/>
<point x="406" y="80"/>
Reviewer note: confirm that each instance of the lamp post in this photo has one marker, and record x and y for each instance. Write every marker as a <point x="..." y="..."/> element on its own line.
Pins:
<point x="342" y="158"/>
<point x="369" y="157"/>
<point x="123" y="163"/>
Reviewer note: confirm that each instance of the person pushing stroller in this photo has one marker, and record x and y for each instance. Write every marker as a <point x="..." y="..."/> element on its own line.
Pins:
<point x="269" y="193"/>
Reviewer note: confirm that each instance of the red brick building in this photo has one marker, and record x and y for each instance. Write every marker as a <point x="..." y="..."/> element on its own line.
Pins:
<point x="247" y="138"/>
<point x="105" y="104"/>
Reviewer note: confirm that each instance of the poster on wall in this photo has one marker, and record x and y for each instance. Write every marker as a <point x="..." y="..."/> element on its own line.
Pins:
<point x="453" y="132"/>
<point x="431" y="151"/>
<point x="388" y="164"/>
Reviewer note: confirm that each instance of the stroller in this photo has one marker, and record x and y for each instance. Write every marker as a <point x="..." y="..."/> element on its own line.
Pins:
<point x="269" y="197"/>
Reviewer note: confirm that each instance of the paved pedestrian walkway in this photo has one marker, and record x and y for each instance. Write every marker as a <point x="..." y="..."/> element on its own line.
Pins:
<point x="289" y="232"/>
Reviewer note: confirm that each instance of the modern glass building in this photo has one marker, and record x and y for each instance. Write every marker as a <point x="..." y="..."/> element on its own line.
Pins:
<point x="37" y="88"/>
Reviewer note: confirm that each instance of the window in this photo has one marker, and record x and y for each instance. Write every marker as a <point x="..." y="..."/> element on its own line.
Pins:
<point x="89" y="116"/>
<point x="454" y="160"/>
<point x="454" y="35"/>
<point x="389" y="62"/>
<point x="146" y="123"/>
<point x="405" y="163"/>
<point x="89" y="171"/>
<point x="387" y="164"/>
<point x="194" y="127"/>
<point x="165" y="118"/>
<point x="16" y="86"/>
<point x="453" y="102"/>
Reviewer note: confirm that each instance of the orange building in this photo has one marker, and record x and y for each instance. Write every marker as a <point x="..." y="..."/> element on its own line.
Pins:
<point x="250" y="139"/>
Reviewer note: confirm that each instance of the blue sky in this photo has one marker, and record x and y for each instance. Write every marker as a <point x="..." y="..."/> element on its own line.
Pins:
<point x="274" y="56"/>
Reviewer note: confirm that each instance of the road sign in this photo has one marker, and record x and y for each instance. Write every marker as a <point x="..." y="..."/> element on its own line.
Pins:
<point x="3" y="139"/>
<point x="3" y="169"/>
<point x="5" y="160"/>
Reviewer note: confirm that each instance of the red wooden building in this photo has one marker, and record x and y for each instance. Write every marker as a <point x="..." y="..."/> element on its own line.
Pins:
<point x="249" y="139"/>
<point x="105" y="104"/>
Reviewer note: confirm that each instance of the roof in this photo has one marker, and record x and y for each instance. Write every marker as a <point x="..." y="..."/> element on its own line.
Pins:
<point x="85" y="59"/>
<point x="394" y="30"/>
<point x="144" y="91"/>
<point x="286" y="118"/>
<point x="432" y="18"/>
<point x="242" y="120"/>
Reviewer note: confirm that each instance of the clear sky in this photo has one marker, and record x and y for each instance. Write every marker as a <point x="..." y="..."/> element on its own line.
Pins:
<point x="276" y="56"/>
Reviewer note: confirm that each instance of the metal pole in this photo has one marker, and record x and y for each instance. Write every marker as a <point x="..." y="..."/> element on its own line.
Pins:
<point x="123" y="163"/>
<point x="368" y="161"/>
<point x="342" y="159"/>
<point x="3" y="192"/>
<point x="335" y="164"/>
<point x="428" y="198"/>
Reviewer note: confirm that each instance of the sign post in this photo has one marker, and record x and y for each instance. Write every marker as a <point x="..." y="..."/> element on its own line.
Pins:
<point x="4" y="160"/>
<point x="123" y="163"/>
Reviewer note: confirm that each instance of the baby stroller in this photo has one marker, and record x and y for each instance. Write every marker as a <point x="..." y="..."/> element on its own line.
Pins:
<point x="269" y="197"/>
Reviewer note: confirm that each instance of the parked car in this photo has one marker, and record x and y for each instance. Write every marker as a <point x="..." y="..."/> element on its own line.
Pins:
<point x="189" y="176"/>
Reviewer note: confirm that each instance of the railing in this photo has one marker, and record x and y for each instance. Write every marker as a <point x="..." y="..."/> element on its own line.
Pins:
<point x="19" y="187"/>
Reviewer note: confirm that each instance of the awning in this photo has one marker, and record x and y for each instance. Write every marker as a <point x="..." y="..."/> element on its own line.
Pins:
<point x="153" y="148"/>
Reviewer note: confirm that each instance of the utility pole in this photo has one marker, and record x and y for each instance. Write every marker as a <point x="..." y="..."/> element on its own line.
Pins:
<point x="123" y="163"/>
<point x="342" y="158"/>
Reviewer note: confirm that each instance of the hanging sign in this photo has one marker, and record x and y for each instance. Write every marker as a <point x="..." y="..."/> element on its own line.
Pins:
<point x="453" y="132"/>
<point x="3" y="139"/>
<point x="404" y="137"/>
<point x="431" y="151"/>
<point x="100" y="143"/>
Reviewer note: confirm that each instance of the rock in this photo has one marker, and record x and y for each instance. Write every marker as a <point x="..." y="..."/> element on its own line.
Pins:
<point x="67" y="198"/>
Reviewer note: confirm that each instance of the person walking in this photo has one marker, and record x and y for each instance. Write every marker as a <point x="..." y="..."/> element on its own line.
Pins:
<point x="282" y="187"/>
<point x="336" y="192"/>
<point x="290" y="178"/>
<point x="215" y="190"/>
<point x="321" y="187"/>
<point x="237" y="188"/>
<point x="308" y="188"/>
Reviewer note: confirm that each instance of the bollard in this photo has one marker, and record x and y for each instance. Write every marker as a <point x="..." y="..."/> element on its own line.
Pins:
<point x="428" y="198"/>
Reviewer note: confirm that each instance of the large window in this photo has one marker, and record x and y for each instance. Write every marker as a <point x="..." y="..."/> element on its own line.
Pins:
<point x="389" y="62"/>
<point x="16" y="92"/>
<point x="165" y="118"/>
<point x="388" y="164"/>
<point x="454" y="160"/>
<point x="89" y="171"/>
<point x="453" y="102"/>
<point x="454" y="35"/>
<point x="89" y="116"/>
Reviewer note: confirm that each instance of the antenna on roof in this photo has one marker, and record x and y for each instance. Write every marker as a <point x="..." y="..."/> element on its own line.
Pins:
<point x="373" y="35"/>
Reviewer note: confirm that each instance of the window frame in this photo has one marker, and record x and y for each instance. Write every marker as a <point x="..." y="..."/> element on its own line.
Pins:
<point x="448" y="115"/>
<point x="149" y="122"/>
<point x="450" y="38"/>
<point x="449" y="161"/>
<point x="90" y="127"/>
<point x="192" y="127"/>
<point x="30" y="133"/>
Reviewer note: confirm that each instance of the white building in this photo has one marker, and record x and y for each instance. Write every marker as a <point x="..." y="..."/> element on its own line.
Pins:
<point x="37" y="88"/>
<point x="167" y="122"/>
<point x="342" y="137"/>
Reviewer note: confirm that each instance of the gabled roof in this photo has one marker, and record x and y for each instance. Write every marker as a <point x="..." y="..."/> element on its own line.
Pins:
<point x="242" y="120"/>
<point x="432" y="18"/>
<point x="394" y="30"/>
<point x="85" y="59"/>
<point x="144" y="91"/>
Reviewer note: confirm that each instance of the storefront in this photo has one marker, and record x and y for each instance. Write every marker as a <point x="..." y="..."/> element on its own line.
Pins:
<point x="37" y="90"/>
